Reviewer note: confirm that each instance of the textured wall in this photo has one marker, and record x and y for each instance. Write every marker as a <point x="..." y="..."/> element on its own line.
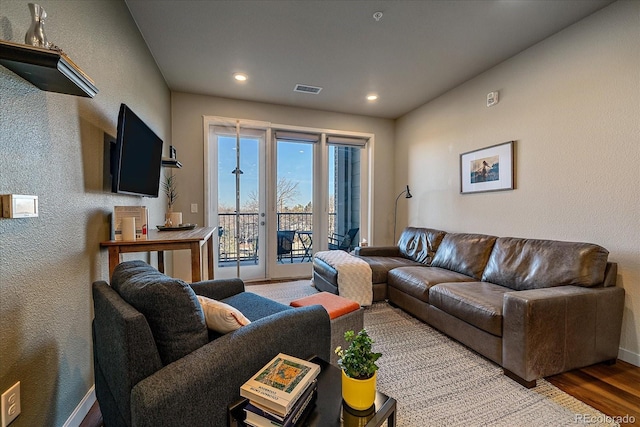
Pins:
<point x="51" y="146"/>
<point x="571" y="103"/>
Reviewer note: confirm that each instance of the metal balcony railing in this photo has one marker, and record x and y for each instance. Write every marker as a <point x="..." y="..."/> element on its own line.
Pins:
<point x="247" y="234"/>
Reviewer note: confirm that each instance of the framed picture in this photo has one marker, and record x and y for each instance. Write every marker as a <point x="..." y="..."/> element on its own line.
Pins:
<point x="488" y="169"/>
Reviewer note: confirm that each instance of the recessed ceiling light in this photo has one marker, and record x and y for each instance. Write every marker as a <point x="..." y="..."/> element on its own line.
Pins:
<point x="240" y="77"/>
<point x="372" y="97"/>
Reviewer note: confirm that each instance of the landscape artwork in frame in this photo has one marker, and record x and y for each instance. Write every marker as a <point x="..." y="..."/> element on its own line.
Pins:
<point x="487" y="169"/>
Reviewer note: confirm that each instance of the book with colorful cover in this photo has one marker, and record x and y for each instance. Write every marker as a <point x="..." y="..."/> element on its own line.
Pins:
<point x="258" y="416"/>
<point x="279" y="384"/>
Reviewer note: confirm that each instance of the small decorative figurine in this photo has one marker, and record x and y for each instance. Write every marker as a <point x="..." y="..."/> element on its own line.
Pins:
<point x="36" y="36"/>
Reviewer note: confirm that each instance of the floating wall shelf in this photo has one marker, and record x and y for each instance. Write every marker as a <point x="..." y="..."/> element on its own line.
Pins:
<point x="171" y="163"/>
<point x="46" y="69"/>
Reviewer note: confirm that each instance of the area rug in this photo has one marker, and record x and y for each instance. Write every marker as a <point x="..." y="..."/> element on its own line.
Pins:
<point x="438" y="381"/>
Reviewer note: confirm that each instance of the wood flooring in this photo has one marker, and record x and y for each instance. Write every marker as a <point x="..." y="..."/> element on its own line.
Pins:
<point x="612" y="389"/>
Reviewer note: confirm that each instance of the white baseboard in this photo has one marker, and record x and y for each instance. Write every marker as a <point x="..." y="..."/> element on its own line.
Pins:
<point x="82" y="409"/>
<point x="629" y="356"/>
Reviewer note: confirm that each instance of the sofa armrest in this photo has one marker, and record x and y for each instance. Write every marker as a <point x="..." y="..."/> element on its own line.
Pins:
<point x="197" y="389"/>
<point x="552" y="330"/>
<point x="378" y="251"/>
<point x="218" y="289"/>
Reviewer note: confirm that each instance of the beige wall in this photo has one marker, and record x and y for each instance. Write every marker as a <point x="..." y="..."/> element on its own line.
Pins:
<point x="187" y="124"/>
<point x="51" y="146"/>
<point x="572" y="104"/>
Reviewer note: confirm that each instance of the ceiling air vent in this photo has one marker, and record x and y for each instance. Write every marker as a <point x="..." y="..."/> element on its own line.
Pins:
<point x="307" y="89"/>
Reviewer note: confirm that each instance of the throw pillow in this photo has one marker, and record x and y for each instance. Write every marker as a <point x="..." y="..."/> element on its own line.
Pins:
<point x="221" y="317"/>
<point x="170" y="306"/>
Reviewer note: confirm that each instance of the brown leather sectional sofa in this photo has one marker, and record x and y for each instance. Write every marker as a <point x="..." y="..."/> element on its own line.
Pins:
<point x="535" y="307"/>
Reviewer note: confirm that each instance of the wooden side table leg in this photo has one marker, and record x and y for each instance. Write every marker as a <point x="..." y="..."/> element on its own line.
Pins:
<point x="114" y="259"/>
<point x="210" y="257"/>
<point x="161" y="261"/>
<point x="195" y="263"/>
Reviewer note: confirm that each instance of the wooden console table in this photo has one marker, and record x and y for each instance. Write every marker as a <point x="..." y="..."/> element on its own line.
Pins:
<point x="161" y="241"/>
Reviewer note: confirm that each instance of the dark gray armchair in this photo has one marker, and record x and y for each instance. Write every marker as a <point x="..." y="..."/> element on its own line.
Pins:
<point x="144" y="379"/>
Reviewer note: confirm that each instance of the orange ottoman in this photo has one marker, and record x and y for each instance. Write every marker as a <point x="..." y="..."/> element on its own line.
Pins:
<point x="344" y="313"/>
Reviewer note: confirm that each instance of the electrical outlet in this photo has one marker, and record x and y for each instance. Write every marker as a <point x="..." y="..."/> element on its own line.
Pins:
<point x="194" y="208"/>
<point x="10" y="404"/>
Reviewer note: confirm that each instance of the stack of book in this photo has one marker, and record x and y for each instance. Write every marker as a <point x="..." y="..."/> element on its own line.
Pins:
<point x="282" y="393"/>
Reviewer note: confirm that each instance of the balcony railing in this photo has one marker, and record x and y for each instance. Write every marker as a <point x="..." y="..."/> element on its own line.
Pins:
<point x="247" y="235"/>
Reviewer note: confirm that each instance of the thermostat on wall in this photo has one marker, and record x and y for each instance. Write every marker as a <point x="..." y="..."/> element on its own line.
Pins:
<point x="492" y="98"/>
<point x="19" y="206"/>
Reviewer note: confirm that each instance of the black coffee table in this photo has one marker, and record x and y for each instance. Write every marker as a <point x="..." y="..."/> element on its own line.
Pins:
<point x="329" y="410"/>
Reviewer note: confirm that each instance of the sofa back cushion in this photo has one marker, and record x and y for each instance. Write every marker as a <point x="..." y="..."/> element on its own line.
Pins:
<point x="170" y="306"/>
<point x="420" y="244"/>
<point x="465" y="253"/>
<point x="522" y="264"/>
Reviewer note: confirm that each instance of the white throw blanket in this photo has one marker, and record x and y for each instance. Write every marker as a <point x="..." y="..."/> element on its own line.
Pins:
<point x="354" y="275"/>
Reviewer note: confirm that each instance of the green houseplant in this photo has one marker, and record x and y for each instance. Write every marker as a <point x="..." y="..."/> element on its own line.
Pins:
<point x="359" y="369"/>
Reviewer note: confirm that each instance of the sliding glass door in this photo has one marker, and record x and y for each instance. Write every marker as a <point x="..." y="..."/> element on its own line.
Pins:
<point x="237" y="193"/>
<point x="277" y="195"/>
<point x="293" y="201"/>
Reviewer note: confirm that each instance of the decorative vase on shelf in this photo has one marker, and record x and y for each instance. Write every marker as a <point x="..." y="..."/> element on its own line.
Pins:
<point x="35" y="35"/>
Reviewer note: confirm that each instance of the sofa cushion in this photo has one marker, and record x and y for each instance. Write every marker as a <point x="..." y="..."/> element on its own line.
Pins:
<point x="523" y="264"/>
<point x="169" y="305"/>
<point x="477" y="303"/>
<point x="416" y="281"/>
<point x="464" y="253"/>
<point x="254" y="306"/>
<point x="381" y="265"/>
<point x="419" y="244"/>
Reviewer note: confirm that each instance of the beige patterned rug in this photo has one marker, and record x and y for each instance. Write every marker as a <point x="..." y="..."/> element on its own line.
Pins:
<point x="438" y="381"/>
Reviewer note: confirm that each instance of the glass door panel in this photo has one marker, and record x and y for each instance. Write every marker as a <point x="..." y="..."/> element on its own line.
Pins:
<point x="239" y="203"/>
<point x="293" y="244"/>
<point x="344" y="197"/>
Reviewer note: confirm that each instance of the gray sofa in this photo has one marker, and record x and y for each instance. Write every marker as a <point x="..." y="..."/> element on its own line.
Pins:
<point x="155" y="362"/>
<point x="535" y="307"/>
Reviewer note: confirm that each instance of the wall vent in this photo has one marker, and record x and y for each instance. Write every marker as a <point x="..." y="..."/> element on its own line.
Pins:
<point x="307" y="89"/>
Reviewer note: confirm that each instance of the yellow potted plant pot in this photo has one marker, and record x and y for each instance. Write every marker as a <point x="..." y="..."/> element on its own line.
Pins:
<point x="358" y="363"/>
<point x="359" y="394"/>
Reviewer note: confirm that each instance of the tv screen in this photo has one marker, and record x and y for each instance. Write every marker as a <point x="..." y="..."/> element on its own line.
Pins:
<point x="137" y="157"/>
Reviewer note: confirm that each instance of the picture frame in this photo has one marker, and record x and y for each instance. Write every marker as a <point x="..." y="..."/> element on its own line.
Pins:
<point x="488" y="169"/>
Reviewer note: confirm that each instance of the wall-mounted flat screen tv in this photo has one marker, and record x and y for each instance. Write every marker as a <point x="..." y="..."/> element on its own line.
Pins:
<point x="137" y="157"/>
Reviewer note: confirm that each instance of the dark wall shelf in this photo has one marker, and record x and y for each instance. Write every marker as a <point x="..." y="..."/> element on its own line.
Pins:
<point x="171" y="163"/>
<point x="46" y="69"/>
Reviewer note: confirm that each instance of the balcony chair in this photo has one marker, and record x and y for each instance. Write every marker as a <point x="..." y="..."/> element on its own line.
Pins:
<point x="157" y="364"/>
<point x="344" y="243"/>
<point x="285" y="243"/>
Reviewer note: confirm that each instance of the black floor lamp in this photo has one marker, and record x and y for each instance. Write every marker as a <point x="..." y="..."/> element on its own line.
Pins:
<point x="395" y="214"/>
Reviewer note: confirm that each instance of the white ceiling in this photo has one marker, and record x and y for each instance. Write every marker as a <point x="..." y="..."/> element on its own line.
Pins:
<point x="416" y="52"/>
